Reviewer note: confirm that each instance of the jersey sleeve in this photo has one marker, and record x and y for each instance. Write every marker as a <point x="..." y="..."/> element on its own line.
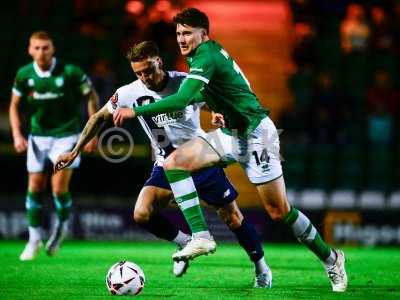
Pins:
<point x="121" y="98"/>
<point x="202" y="66"/>
<point x="198" y="98"/>
<point x="82" y="80"/>
<point x="19" y="85"/>
<point x="112" y="104"/>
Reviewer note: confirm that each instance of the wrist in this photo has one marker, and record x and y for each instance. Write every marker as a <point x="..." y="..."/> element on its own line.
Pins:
<point x="75" y="153"/>
<point x="137" y="111"/>
<point x="17" y="134"/>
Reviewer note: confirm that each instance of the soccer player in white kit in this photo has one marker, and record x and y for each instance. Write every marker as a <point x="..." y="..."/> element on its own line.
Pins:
<point x="166" y="132"/>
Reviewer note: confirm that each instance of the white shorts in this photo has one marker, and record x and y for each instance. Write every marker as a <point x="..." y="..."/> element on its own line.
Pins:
<point x="258" y="154"/>
<point x="42" y="149"/>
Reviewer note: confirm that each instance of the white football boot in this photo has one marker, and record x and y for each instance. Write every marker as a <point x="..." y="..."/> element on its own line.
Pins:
<point x="180" y="267"/>
<point x="31" y="250"/>
<point x="263" y="280"/>
<point x="56" y="238"/>
<point x="195" y="247"/>
<point x="337" y="273"/>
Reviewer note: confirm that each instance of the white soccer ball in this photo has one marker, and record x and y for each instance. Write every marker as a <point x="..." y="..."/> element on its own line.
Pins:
<point x="125" y="278"/>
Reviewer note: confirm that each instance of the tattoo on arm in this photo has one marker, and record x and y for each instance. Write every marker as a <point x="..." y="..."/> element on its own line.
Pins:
<point x="91" y="129"/>
<point x="93" y="102"/>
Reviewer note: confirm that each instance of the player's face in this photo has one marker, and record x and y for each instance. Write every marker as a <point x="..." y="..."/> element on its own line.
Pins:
<point x="42" y="52"/>
<point x="189" y="38"/>
<point x="149" y="71"/>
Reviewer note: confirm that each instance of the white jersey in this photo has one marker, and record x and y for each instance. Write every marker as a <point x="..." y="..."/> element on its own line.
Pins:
<point x="165" y="131"/>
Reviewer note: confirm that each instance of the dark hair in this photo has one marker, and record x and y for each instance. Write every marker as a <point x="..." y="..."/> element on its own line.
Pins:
<point x="193" y="17"/>
<point x="142" y="50"/>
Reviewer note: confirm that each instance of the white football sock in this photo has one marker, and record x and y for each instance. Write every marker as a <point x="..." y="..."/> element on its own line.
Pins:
<point x="261" y="266"/>
<point x="181" y="238"/>
<point x="202" y="234"/>
<point x="35" y="234"/>
<point x="330" y="261"/>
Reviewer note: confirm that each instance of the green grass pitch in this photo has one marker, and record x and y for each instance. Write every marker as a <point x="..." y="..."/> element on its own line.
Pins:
<point x="79" y="269"/>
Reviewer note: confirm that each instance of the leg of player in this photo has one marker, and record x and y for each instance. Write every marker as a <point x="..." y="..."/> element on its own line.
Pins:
<point x="273" y="197"/>
<point x="34" y="206"/>
<point x="63" y="203"/>
<point x="250" y="242"/>
<point x="191" y="156"/>
<point x="150" y="201"/>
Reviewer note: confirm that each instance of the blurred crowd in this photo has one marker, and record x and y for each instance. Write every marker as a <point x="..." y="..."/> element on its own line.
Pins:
<point x="345" y="73"/>
<point x="345" y="83"/>
<point x="94" y="35"/>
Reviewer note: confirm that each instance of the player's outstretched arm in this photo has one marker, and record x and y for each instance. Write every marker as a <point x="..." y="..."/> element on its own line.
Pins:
<point x="189" y="90"/>
<point x="92" y="107"/>
<point x="92" y="126"/>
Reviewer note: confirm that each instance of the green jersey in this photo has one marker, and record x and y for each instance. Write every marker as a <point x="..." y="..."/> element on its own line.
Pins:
<point x="227" y="90"/>
<point x="222" y="85"/>
<point x="53" y="97"/>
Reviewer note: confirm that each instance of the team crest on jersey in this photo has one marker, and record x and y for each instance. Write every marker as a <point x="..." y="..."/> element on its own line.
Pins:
<point x="31" y="82"/>
<point x="114" y="100"/>
<point x="59" y="81"/>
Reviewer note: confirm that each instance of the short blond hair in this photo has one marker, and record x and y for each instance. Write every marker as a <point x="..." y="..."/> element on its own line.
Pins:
<point x="142" y="50"/>
<point x="41" y="35"/>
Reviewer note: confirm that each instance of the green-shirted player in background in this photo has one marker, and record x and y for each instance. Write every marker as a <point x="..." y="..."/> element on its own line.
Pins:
<point x="248" y="137"/>
<point x="53" y="92"/>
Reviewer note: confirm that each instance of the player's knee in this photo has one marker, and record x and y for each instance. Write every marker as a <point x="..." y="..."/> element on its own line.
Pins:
<point x="277" y="214"/>
<point x="169" y="162"/>
<point x="141" y="216"/>
<point x="37" y="186"/>
<point x="232" y="219"/>
<point x="177" y="160"/>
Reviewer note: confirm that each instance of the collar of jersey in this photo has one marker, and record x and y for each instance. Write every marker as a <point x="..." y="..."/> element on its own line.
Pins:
<point x="47" y="73"/>
<point x="193" y="53"/>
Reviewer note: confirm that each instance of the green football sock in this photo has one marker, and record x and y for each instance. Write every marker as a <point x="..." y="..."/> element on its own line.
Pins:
<point x="186" y="197"/>
<point x="63" y="204"/>
<point x="306" y="233"/>
<point x="34" y="208"/>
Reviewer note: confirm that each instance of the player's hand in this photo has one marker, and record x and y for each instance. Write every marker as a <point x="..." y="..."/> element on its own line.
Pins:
<point x="20" y="144"/>
<point x="217" y="119"/>
<point x="64" y="160"/>
<point x="91" y="146"/>
<point x="123" y="114"/>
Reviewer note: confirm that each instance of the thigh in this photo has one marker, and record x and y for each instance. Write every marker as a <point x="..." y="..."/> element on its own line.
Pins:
<point x="37" y="182"/>
<point x="192" y="156"/>
<point x="152" y="199"/>
<point x="261" y="160"/>
<point x="37" y="154"/>
<point x="214" y="187"/>
<point x="60" y="181"/>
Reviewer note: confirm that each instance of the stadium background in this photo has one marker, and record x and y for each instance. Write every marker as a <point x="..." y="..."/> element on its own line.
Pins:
<point x="328" y="71"/>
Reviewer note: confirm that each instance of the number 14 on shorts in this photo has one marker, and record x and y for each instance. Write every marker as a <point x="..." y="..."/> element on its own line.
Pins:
<point x="262" y="159"/>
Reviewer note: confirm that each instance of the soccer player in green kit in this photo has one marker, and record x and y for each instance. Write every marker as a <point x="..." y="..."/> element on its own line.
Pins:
<point x="53" y="92"/>
<point x="248" y="137"/>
